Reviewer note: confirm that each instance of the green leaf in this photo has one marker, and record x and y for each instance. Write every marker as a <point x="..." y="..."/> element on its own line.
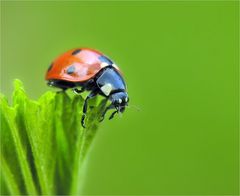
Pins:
<point x="9" y="115"/>
<point x="43" y="144"/>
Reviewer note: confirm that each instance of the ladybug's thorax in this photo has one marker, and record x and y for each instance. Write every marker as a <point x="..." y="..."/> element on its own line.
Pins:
<point x="110" y="81"/>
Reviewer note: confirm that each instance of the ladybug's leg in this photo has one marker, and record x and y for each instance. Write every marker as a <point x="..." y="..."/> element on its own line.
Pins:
<point x="105" y="111"/>
<point x="85" y="106"/>
<point x="78" y="91"/>
<point x="113" y="114"/>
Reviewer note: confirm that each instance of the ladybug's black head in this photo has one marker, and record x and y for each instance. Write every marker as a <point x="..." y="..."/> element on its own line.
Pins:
<point x="119" y="100"/>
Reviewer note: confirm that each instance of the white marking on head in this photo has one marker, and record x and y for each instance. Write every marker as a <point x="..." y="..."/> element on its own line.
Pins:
<point x="119" y="101"/>
<point x="106" y="89"/>
<point x="126" y="99"/>
<point x="103" y="65"/>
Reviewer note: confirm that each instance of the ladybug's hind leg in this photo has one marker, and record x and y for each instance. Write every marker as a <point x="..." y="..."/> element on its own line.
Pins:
<point x="78" y="91"/>
<point x="81" y="87"/>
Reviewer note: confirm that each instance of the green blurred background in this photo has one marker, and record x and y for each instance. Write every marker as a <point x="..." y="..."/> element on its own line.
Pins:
<point x="180" y="61"/>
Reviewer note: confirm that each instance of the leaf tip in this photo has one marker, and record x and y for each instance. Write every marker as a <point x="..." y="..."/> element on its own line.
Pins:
<point x="18" y="84"/>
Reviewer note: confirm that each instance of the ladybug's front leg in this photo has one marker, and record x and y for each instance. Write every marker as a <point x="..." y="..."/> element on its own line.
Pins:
<point x="85" y="105"/>
<point x="105" y="111"/>
<point x="113" y="114"/>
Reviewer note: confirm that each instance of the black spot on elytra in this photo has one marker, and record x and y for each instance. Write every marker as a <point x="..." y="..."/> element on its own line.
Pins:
<point x="76" y="51"/>
<point x="50" y="67"/>
<point x="71" y="69"/>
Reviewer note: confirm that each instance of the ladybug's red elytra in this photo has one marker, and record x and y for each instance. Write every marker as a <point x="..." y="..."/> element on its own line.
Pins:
<point x="92" y="71"/>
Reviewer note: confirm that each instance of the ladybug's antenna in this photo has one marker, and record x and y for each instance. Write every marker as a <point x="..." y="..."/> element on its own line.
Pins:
<point x="134" y="107"/>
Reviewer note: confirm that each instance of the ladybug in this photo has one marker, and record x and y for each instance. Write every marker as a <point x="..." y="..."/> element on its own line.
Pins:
<point x="85" y="69"/>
